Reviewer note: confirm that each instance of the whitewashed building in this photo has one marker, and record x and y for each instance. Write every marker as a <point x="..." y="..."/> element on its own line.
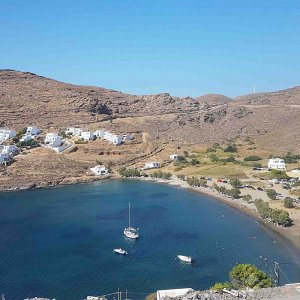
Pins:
<point x="5" y="158"/>
<point x="126" y="137"/>
<point x="10" y="149"/>
<point x="26" y="137"/>
<point x="53" y="140"/>
<point x="33" y="130"/>
<point x="99" y="133"/>
<point x="276" y="164"/>
<point x="87" y="135"/>
<point x="75" y="131"/>
<point x="151" y="165"/>
<point x="174" y="156"/>
<point x="99" y="170"/>
<point x="112" y="138"/>
<point x="6" y="134"/>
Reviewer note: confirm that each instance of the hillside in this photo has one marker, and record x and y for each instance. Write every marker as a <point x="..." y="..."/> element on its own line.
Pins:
<point x="272" y="118"/>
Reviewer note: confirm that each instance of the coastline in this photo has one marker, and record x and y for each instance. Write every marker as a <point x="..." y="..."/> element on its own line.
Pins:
<point x="285" y="233"/>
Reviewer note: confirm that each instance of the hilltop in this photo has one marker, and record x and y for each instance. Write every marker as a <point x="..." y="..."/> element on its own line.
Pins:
<point x="271" y="118"/>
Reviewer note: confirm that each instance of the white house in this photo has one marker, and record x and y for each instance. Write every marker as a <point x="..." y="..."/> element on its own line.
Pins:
<point x="26" y="137"/>
<point x="75" y="131"/>
<point x="53" y="140"/>
<point x="5" y="158"/>
<point x="99" y="133"/>
<point x="33" y="130"/>
<point x="174" y="156"/>
<point x="87" y="135"/>
<point x="6" y="134"/>
<point x="151" y="165"/>
<point x="99" y="170"/>
<point x="276" y="163"/>
<point x="126" y="137"/>
<point x="113" y="138"/>
<point x="10" y="149"/>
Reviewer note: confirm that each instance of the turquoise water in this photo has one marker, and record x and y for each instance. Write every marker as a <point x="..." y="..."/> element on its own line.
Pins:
<point x="58" y="242"/>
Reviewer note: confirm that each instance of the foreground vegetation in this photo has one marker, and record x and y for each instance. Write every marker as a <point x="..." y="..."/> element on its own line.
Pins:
<point x="244" y="276"/>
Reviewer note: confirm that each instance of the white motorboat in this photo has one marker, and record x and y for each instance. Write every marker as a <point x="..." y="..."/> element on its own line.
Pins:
<point x="184" y="258"/>
<point x="120" y="251"/>
<point x="129" y="231"/>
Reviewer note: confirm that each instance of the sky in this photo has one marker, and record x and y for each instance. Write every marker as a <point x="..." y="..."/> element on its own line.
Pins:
<point x="185" y="48"/>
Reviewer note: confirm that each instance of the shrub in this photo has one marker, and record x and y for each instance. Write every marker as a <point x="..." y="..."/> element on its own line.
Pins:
<point x="129" y="172"/>
<point x="214" y="158"/>
<point x="271" y="193"/>
<point x="247" y="198"/>
<point x="231" y="148"/>
<point x="235" y="182"/>
<point x="252" y="158"/>
<point x="219" y="286"/>
<point x="288" y="202"/>
<point x="194" y="162"/>
<point x="180" y="176"/>
<point x="278" y="174"/>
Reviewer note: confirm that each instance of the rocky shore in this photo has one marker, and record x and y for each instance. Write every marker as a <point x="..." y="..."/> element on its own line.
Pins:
<point x="287" y="292"/>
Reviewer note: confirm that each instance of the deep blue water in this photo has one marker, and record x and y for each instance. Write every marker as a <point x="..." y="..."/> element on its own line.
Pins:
<point x="58" y="242"/>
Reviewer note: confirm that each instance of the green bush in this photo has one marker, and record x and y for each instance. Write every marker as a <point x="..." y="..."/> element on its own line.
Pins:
<point x="214" y="158"/>
<point x="288" y="202"/>
<point x="124" y="172"/>
<point x="180" y="176"/>
<point x="247" y="198"/>
<point x="231" y="148"/>
<point x="219" y="286"/>
<point x="252" y="158"/>
<point x="30" y="143"/>
<point x="271" y="193"/>
<point x="278" y="174"/>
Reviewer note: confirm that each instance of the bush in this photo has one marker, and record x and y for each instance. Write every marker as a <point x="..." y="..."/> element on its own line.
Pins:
<point x="247" y="198"/>
<point x="124" y="172"/>
<point x="288" y="202"/>
<point x="214" y="158"/>
<point x="231" y="148"/>
<point x="195" y="162"/>
<point x="231" y="158"/>
<point x="161" y="175"/>
<point x="278" y="174"/>
<point x="252" y="158"/>
<point x="271" y="193"/>
<point x="219" y="286"/>
<point x="180" y="176"/>
<point x="30" y="143"/>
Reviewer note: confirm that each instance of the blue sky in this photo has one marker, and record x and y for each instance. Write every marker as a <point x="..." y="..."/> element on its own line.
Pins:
<point x="186" y="48"/>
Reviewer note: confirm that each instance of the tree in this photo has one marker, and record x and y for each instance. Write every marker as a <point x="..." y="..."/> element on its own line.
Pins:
<point x="271" y="193"/>
<point x="180" y="176"/>
<point x="231" y="158"/>
<point x="234" y="193"/>
<point x="248" y="276"/>
<point x="235" y="182"/>
<point x="288" y="202"/>
<point x="203" y="181"/>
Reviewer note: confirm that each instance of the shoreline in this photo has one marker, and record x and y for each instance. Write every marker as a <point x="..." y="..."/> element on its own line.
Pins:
<point x="237" y="204"/>
<point x="240" y="206"/>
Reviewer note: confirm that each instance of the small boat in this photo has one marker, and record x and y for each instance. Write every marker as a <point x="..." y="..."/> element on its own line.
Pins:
<point x="129" y="231"/>
<point x="120" y="251"/>
<point x="184" y="258"/>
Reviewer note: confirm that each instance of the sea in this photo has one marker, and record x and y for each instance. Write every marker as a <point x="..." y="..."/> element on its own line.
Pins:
<point x="58" y="242"/>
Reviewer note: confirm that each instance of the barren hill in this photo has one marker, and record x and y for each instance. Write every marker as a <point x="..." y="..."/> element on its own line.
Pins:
<point x="273" y="118"/>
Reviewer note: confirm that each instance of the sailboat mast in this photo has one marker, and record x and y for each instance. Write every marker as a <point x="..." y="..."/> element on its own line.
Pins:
<point x="129" y="215"/>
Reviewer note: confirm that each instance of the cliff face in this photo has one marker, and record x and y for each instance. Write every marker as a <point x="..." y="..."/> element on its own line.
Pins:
<point x="274" y="118"/>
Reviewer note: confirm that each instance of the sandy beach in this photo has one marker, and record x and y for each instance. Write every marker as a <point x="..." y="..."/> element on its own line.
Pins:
<point x="289" y="234"/>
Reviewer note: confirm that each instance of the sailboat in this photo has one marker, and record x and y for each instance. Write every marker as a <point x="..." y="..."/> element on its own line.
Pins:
<point x="131" y="232"/>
